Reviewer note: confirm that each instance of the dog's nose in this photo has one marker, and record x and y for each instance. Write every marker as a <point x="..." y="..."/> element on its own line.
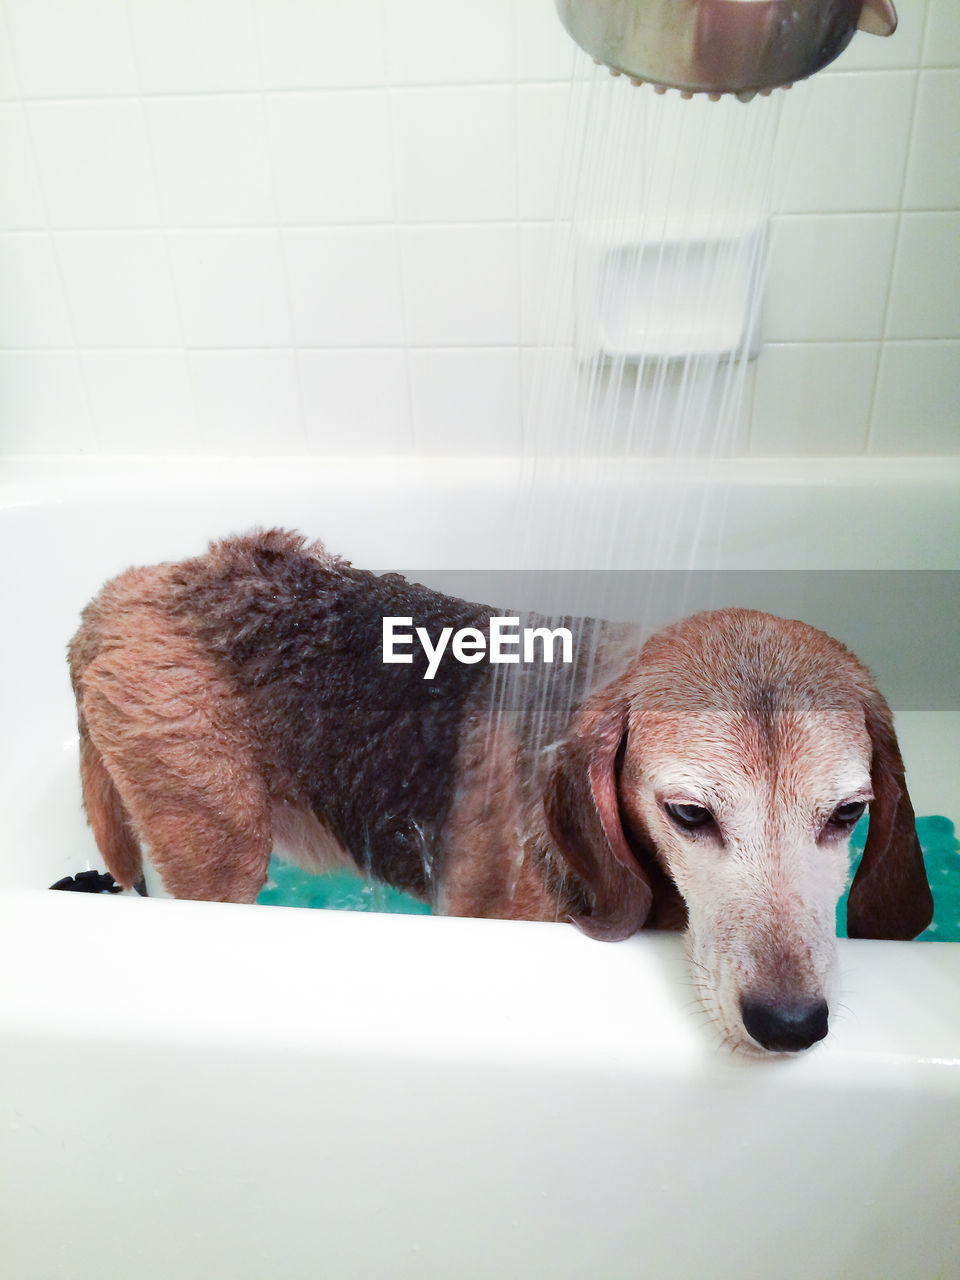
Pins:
<point x="784" y="1025"/>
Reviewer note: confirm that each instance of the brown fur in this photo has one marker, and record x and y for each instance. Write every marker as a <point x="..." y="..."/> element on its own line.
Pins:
<point x="239" y="699"/>
<point x="166" y="750"/>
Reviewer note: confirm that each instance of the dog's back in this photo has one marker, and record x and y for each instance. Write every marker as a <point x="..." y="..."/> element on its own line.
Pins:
<point x="217" y="695"/>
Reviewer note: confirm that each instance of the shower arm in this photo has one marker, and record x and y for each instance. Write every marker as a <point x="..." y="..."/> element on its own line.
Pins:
<point x="743" y="47"/>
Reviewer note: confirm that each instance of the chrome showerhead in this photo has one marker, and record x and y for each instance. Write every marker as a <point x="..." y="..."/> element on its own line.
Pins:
<point x="743" y="47"/>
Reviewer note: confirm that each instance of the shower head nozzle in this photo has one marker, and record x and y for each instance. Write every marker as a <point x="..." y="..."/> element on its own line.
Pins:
<point x="743" y="47"/>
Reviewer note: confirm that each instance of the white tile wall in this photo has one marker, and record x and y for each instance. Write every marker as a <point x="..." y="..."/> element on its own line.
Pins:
<point x="34" y="313"/>
<point x="544" y="50"/>
<point x="183" y="46"/>
<point x="356" y="401"/>
<point x="64" y="50"/>
<point x="44" y="404"/>
<point x="815" y="392"/>
<point x="902" y="51"/>
<point x="305" y="45"/>
<point x="344" y="286"/>
<point x="151" y="388"/>
<point x="231" y="288"/>
<point x="546" y="291"/>
<point x="466" y="400"/>
<point x="241" y="396"/>
<point x="925" y="291"/>
<point x="210" y="161"/>
<point x="455" y="154"/>
<point x="942" y="44"/>
<point x="828" y="277"/>
<point x="277" y="226"/>
<point x="9" y="80"/>
<point x="332" y="157"/>
<point x="22" y="204"/>
<point x="867" y="120"/>
<point x="933" y="174"/>
<point x="541" y="119"/>
<point x="436" y="42"/>
<point x="118" y="288"/>
<point x="461" y="285"/>
<point x="918" y="398"/>
<point x="681" y="408"/>
<point x="94" y="163"/>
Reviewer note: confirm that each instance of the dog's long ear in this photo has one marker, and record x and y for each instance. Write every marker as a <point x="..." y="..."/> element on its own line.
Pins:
<point x="583" y="817"/>
<point x="890" y="896"/>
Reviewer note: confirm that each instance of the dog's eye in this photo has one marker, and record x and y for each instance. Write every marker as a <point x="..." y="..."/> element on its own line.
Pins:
<point x="688" y="816"/>
<point x="848" y="815"/>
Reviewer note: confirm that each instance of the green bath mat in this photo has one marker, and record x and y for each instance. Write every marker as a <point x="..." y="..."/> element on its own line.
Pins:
<point x="941" y="856"/>
<point x="288" y="886"/>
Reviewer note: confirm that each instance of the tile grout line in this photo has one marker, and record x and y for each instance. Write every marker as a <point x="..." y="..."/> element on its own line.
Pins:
<point x="885" y="330"/>
<point x="390" y="90"/>
<point x="278" y="229"/>
<point x="361" y="228"/>
<point x="410" y="87"/>
<point x="162" y="228"/>
<point x="90" y="429"/>
<point x="532" y="346"/>
<point x="517" y="390"/>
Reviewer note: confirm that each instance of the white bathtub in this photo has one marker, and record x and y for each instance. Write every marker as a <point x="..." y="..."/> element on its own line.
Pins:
<point x="198" y="1090"/>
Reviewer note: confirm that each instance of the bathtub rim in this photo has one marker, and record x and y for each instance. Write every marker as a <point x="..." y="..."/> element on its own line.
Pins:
<point x="508" y="993"/>
<point x="890" y="1059"/>
<point x="746" y="513"/>
<point x="64" y="475"/>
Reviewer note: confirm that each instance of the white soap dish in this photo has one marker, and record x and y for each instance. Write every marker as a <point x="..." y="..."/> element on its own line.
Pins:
<point x="687" y="291"/>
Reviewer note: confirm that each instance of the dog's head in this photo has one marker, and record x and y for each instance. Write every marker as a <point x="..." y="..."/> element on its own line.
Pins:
<point x="737" y="755"/>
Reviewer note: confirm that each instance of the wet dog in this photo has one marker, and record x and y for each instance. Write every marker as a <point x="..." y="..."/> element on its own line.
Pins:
<point x="707" y="777"/>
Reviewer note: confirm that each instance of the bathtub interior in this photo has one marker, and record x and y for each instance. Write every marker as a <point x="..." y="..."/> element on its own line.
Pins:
<point x="200" y="1089"/>
<point x="70" y="528"/>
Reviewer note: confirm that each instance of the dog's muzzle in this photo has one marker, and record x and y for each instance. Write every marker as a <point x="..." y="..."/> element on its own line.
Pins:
<point x="784" y="1025"/>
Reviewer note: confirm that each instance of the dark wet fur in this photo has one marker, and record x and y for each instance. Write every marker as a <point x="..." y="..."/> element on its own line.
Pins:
<point x="369" y="747"/>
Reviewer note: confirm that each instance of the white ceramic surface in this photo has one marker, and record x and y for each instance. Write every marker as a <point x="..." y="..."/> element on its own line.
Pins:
<point x="203" y="1090"/>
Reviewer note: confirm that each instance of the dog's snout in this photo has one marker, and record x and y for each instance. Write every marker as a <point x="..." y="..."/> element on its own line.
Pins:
<point x="784" y="1025"/>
